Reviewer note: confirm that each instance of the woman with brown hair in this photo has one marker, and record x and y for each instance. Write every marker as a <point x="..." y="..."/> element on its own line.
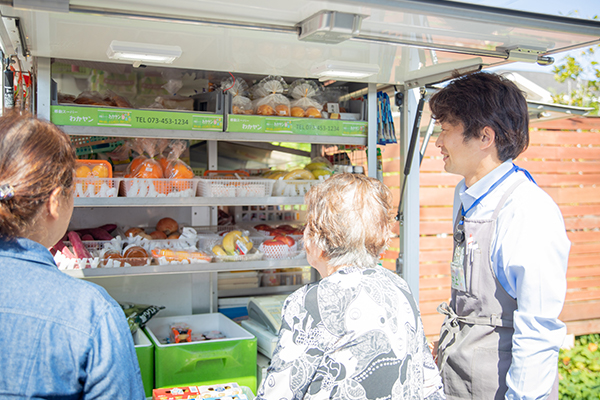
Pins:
<point x="60" y="337"/>
<point x="356" y="333"/>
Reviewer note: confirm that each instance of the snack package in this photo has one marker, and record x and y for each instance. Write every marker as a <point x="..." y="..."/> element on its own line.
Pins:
<point x="180" y="332"/>
<point x="274" y="102"/>
<point x="304" y="94"/>
<point x="240" y="104"/>
<point x="177" y="169"/>
<point x="139" y="314"/>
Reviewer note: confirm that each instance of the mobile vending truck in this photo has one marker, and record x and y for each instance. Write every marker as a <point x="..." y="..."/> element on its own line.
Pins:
<point x="181" y="52"/>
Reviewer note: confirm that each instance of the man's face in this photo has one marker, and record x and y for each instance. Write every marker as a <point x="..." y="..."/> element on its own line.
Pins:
<point x="460" y="157"/>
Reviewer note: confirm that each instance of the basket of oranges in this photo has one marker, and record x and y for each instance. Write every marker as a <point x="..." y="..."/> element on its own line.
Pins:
<point x="152" y="176"/>
<point x="93" y="178"/>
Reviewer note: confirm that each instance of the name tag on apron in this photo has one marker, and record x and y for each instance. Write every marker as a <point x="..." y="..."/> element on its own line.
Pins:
<point x="457" y="268"/>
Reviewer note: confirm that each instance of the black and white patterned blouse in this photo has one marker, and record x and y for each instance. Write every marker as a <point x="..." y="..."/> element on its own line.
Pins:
<point x="356" y="334"/>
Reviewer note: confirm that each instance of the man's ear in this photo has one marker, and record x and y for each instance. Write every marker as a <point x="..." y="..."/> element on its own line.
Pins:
<point x="53" y="203"/>
<point x="487" y="138"/>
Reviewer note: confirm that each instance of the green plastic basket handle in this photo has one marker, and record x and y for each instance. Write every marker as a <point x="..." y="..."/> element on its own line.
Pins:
<point x="202" y="357"/>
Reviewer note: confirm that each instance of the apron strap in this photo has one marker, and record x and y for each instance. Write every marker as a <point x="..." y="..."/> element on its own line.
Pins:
<point x="492" y="320"/>
<point x="505" y="197"/>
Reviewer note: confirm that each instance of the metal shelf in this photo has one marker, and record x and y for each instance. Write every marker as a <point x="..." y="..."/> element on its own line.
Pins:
<point x="184" y="268"/>
<point x="209" y="135"/>
<point x="258" y="291"/>
<point x="186" y="201"/>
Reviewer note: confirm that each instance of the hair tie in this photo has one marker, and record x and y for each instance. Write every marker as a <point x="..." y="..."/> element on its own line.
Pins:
<point x="6" y="191"/>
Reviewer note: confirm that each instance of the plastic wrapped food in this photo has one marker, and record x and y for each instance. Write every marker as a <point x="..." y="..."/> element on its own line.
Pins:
<point x="274" y="102"/>
<point x="93" y="98"/>
<point x="176" y="168"/>
<point x="305" y="103"/>
<point x="148" y="168"/>
<point x="139" y="314"/>
<point x="240" y="103"/>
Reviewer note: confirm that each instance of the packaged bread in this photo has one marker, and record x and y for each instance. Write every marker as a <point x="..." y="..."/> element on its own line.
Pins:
<point x="238" y="88"/>
<point x="274" y="102"/>
<point x="305" y="102"/>
<point x="93" y="98"/>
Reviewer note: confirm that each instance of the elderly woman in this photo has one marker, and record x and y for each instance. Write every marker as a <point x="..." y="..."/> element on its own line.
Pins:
<point x="356" y="333"/>
<point x="60" y="337"/>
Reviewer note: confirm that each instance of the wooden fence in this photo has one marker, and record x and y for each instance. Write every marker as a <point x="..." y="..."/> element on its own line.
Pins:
<point x="564" y="159"/>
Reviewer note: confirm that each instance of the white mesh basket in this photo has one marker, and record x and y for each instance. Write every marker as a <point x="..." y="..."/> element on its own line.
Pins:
<point x="234" y="187"/>
<point x="97" y="187"/>
<point x="137" y="187"/>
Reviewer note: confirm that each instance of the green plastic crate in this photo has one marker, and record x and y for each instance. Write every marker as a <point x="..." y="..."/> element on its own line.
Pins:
<point x="232" y="359"/>
<point x="145" y="354"/>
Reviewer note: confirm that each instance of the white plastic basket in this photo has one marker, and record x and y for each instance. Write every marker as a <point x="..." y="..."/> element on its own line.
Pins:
<point x="234" y="187"/>
<point x="97" y="187"/>
<point x="136" y="187"/>
<point x="291" y="187"/>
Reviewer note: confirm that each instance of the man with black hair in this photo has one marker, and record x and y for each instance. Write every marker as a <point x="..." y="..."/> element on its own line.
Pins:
<point x="501" y="335"/>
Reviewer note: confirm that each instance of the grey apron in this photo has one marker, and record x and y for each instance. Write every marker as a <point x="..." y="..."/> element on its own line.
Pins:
<point x="474" y="352"/>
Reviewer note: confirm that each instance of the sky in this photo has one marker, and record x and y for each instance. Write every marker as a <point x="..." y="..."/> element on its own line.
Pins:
<point x="586" y="9"/>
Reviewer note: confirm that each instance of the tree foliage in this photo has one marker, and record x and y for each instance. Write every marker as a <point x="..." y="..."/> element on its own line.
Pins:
<point x="581" y="92"/>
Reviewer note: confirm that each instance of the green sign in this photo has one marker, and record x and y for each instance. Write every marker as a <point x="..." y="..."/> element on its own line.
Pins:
<point x="319" y="127"/>
<point x="246" y="123"/>
<point x="129" y="118"/>
<point x="278" y="125"/>
<point x="299" y="126"/>
<point x="354" y="128"/>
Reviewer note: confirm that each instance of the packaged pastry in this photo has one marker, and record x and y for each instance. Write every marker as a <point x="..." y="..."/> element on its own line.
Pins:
<point x="238" y="88"/>
<point x="274" y="101"/>
<point x="305" y="102"/>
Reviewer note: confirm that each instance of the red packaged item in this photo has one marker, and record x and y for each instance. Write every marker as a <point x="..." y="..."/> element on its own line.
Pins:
<point x="180" y="332"/>
<point x="176" y="393"/>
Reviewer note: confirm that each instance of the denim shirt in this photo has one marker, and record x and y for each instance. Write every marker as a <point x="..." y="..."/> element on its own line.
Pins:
<point x="60" y="337"/>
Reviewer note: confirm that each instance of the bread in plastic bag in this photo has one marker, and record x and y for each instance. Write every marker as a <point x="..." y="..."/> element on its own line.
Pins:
<point x="305" y="104"/>
<point x="274" y="102"/>
<point x="238" y="88"/>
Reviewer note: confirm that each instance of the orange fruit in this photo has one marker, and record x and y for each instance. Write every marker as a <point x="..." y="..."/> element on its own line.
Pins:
<point x="297" y="112"/>
<point x="282" y="110"/>
<point x="164" y="162"/>
<point x="83" y="171"/>
<point x="135" y="163"/>
<point x="179" y="170"/>
<point x="149" y="169"/>
<point x="100" y="171"/>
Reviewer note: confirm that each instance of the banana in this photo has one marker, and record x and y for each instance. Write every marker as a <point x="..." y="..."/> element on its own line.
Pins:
<point x="276" y="175"/>
<point x="218" y="250"/>
<point x="235" y="242"/>
<point x="295" y="174"/>
<point x="269" y="174"/>
<point x="316" y="165"/>
<point x="321" y="172"/>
